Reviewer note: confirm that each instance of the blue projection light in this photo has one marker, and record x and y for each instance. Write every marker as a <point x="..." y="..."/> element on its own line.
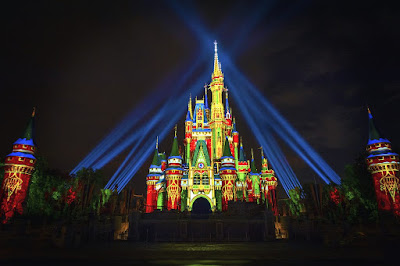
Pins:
<point x="170" y="119"/>
<point x="101" y="154"/>
<point x="203" y="35"/>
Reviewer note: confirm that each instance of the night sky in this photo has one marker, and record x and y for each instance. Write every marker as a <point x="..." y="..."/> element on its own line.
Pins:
<point x="86" y="65"/>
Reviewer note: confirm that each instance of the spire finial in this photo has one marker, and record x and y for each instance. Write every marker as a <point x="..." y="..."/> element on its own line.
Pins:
<point x="252" y="154"/>
<point x="369" y="112"/>
<point x="241" y="142"/>
<point x="262" y="152"/>
<point x="217" y="68"/>
<point x="157" y="143"/>
<point x="34" y="112"/>
<point x="176" y="129"/>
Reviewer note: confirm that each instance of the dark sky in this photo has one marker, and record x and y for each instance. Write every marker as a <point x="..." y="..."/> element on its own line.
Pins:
<point x="85" y="65"/>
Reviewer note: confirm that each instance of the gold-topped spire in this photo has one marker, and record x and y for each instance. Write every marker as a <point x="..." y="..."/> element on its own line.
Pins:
<point x="241" y="142"/>
<point x="217" y="65"/>
<point x="34" y="112"/>
<point x="157" y="143"/>
<point x="190" y="106"/>
<point x="252" y="154"/>
<point x="176" y="129"/>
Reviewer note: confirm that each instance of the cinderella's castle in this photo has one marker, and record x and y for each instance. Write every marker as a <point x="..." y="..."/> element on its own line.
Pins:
<point x="214" y="166"/>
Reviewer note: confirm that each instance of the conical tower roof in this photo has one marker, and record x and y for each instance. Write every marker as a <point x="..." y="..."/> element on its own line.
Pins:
<point x="253" y="164"/>
<point x="242" y="155"/>
<point x="175" y="148"/>
<point x="156" y="158"/>
<point x="374" y="135"/>
<point x="227" y="150"/>
<point x="28" y="136"/>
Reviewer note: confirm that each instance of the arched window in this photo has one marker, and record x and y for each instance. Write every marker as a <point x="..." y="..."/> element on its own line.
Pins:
<point x="196" y="179"/>
<point x="205" y="180"/>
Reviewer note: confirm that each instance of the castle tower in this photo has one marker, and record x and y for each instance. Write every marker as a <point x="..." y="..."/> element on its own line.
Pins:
<point x="235" y="139"/>
<point x="188" y="131"/>
<point x="152" y="178"/>
<point x="242" y="173"/>
<point x="217" y="122"/>
<point x="173" y="175"/>
<point x="269" y="184"/>
<point x="206" y="103"/>
<point x="254" y="178"/>
<point x="18" y="169"/>
<point x="228" y="176"/>
<point x="383" y="164"/>
<point x="228" y="116"/>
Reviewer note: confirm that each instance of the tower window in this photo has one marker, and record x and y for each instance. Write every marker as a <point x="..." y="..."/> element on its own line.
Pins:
<point x="196" y="179"/>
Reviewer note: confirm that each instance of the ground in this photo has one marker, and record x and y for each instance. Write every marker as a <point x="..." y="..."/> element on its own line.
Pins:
<point x="370" y="252"/>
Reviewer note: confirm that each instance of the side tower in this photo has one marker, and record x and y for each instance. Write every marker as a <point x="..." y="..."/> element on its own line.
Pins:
<point x="269" y="184"/>
<point x="155" y="173"/>
<point x="383" y="164"/>
<point x="227" y="173"/>
<point x="242" y="173"/>
<point x="18" y="169"/>
<point x="174" y="174"/>
<point x="254" y="195"/>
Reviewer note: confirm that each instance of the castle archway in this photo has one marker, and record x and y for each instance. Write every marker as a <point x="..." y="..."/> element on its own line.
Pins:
<point x="201" y="205"/>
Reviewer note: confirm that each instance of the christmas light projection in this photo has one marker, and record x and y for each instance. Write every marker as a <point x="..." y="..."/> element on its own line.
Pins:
<point x="384" y="166"/>
<point x="277" y="123"/>
<point x="19" y="167"/>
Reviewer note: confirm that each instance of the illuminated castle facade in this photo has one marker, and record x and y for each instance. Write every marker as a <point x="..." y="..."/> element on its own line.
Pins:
<point x="18" y="169"/>
<point x="383" y="164"/>
<point x="214" y="165"/>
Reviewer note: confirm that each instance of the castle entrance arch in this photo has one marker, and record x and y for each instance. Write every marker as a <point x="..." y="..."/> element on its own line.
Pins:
<point x="201" y="205"/>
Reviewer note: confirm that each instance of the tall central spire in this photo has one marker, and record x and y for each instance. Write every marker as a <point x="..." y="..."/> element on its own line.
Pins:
<point x="217" y="65"/>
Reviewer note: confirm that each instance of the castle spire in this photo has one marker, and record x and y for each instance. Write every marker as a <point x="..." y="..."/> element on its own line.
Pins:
<point x="217" y="65"/>
<point x="226" y="101"/>
<point x="374" y="134"/>
<point x="190" y="107"/>
<point x="205" y="97"/>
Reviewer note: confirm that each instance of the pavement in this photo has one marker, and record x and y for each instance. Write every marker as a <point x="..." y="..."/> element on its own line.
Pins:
<point x="278" y="252"/>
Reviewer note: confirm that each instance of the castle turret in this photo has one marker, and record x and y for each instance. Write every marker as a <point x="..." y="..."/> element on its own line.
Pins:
<point x="235" y="140"/>
<point x="188" y="131"/>
<point x="269" y="184"/>
<point x="18" y="169"/>
<point x="206" y="103"/>
<point x="227" y="173"/>
<point x="254" y="176"/>
<point x="383" y="164"/>
<point x="152" y="178"/>
<point x="243" y="166"/>
<point x="228" y="115"/>
<point x="174" y="174"/>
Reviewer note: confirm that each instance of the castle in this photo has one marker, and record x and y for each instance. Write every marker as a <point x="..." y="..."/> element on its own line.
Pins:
<point x="214" y="166"/>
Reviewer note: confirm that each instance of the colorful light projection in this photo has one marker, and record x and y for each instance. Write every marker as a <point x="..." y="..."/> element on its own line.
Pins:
<point x="18" y="168"/>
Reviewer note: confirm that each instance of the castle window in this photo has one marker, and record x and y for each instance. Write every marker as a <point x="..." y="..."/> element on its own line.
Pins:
<point x="24" y="146"/>
<point x="381" y="158"/>
<point x="393" y="157"/>
<point x="205" y="180"/>
<point x="9" y="158"/>
<point x="196" y="179"/>
<point x="378" y="145"/>
<point x="20" y="159"/>
<point x="31" y="161"/>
